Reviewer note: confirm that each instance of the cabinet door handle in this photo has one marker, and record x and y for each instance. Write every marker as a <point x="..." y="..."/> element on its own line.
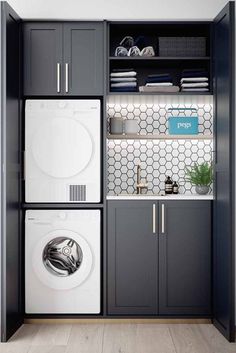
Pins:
<point x="163" y="218"/>
<point x="67" y="77"/>
<point x="154" y="218"/>
<point x="58" y="77"/>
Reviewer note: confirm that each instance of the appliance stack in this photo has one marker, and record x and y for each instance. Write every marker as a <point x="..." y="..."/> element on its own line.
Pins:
<point x="62" y="247"/>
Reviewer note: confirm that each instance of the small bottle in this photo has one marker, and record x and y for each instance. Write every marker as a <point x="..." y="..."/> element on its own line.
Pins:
<point x="175" y="188"/>
<point x="168" y="185"/>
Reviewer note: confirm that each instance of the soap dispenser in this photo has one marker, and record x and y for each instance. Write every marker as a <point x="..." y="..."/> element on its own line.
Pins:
<point x="168" y="185"/>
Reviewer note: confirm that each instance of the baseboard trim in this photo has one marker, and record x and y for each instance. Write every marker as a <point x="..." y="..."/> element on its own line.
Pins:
<point x="116" y="321"/>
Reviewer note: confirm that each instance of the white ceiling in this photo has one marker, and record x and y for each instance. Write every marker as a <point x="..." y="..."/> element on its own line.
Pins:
<point x="118" y="9"/>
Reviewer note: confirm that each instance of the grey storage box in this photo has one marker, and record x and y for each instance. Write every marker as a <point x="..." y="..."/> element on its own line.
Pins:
<point x="182" y="46"/>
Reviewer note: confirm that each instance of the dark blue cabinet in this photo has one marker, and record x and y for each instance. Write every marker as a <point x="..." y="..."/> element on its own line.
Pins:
<point x="185" y="258"/>
<point x="159" y="258"/>
<point x="63" y="58"/>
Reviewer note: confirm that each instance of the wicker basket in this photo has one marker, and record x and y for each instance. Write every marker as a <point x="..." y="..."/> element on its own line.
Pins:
<point x="182" y="46"/>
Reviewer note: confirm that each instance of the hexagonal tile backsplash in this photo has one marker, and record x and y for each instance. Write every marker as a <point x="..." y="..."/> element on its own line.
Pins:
<point x="158" y="158"/>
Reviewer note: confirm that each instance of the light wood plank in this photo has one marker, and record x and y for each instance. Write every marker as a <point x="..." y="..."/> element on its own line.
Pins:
<point x="217" y="342"/>
<point x="47" y="349"/>
<point x="117" y="321"/>
<point x="189" y="339"/>
<point x="57" y="335"/>
<point x="25" y="334"/>
<point x="120" y="338"/>
<point x="14" y="348"/>
<point x="154" y="339"/>
<point x="85" y="339"/>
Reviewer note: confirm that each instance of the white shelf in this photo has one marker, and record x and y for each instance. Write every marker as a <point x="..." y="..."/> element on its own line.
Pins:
<point x="159" y="137"/>
<point x="160" y="197"/>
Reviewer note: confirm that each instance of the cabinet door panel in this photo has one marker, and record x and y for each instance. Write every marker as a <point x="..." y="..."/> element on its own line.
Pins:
<point x="185" y="258"/>
<point x="224" y="203"/>
<point x="132" y="258"/>
<point x="84" y="54"/>
<point x="42" y="58"/>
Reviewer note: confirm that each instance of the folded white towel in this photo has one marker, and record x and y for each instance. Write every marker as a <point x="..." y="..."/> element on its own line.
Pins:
<point x="159" y="84"/>
<point x="192" y="85"/>
<point x="195" y="90"/>
<point x="194" y="79"/>
<point x="123" y="79"/>
<point x="124" y="74"/>
<point x="124" y="84"/>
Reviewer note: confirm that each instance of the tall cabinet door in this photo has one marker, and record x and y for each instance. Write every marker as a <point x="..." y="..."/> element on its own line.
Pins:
<point x="10" y="215"/>
<point x="132" y="258"/>
<point x="224" y="210"/>
<point x="185" y="258"/>
<point x="43" y="58"/>
<point x="84" y="58"/>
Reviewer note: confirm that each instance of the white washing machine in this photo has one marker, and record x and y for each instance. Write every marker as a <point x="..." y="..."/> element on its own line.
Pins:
<point x="62" y="151"/>
<point x="62" y="261"/>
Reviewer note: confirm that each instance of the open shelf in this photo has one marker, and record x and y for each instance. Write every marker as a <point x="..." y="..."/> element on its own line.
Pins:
<point x="173" y="65"/>
<point x="159" y="137"/>
<point x="157" y="58"/>
<point x="160" y="93"/>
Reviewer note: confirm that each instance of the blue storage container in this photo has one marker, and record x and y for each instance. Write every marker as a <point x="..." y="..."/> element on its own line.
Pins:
<point x="182" y="123"/>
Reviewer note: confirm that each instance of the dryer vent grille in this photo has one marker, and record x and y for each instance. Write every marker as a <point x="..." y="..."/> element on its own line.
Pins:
<point x="77" y="192"/>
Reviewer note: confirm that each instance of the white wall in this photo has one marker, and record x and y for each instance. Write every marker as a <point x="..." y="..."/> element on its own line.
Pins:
<point x="118" y="9"/>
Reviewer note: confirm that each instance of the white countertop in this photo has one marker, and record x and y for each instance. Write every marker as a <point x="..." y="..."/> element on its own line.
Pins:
<point x="159" y="197"/>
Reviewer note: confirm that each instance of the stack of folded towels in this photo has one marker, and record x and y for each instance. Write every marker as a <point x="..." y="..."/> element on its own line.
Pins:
<point x="194" y="80"/>
<point x="123" y="80"/>
<point x="159" y="83"/>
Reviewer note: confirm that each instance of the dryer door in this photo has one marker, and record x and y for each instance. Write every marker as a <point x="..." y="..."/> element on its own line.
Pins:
<point x="62" y="147"/>
<point x="62" y="260"/>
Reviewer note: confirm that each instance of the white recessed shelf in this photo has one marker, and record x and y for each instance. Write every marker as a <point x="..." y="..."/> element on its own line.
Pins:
<point x="159" y="137"/>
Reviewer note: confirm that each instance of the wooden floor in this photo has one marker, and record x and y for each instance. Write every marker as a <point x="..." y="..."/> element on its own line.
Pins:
<point x="117" y="338"/>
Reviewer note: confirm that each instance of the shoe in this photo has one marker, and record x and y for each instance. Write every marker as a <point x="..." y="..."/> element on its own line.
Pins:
<point x="134" y="51"/>
<point x="121" y="51"/>
<point x="147" y="51"/>
<point x="127" y="42"/>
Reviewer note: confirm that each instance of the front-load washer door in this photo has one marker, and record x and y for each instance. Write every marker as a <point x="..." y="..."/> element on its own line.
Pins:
<point x="62" y="260"/>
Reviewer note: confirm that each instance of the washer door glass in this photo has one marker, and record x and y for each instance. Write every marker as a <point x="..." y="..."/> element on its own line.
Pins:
<point x="62" y="256"/>
<point x="62" y="147"/>
<point x="62" y="259"/>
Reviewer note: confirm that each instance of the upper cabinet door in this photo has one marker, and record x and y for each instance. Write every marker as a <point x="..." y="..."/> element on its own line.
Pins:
<point x="224" y="204"/>
<point x="185" y="258"/>
<point x="43" y="58"/>
<point x="83" y="58"/>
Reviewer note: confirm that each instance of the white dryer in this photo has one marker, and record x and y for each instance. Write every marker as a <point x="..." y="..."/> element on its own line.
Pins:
<point x="62" y="261"/>
<point x="62" y="151"/>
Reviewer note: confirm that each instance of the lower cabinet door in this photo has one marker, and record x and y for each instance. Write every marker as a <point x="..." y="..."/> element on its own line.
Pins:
<point x="132" y="257"/>
<point x="185" y="258"/>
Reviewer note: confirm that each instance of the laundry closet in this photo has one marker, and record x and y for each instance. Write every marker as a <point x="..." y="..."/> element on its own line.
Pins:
<point x="76" y="240"/>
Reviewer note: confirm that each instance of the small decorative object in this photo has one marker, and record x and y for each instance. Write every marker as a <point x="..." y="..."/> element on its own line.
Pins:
<point x="168" y="185"/>
<point x="180" y="123"/>
<point x="116" y="126"/>
<point x="201" y="176"/>
<point x="131" y="126"/>
<point x="175" y="188"/>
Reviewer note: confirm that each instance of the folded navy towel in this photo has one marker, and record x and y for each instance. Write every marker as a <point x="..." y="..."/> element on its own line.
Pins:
<point x="122" y="70"/>
<point x="158" y="79"/>
<point x="194" y="73"/>
<point x="159" y="75"/>
<point x="123" y="89"/>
